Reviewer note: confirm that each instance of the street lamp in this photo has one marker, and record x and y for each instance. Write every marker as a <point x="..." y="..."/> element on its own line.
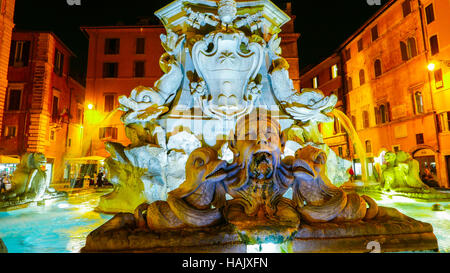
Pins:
<point x="90" y="106"/>
<point x="432" y="65"/>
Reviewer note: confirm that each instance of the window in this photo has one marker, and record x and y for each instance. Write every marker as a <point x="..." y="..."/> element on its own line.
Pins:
<point x="108" y="133"/>
<point x="140" y="45"/>
<point x="112" y="46"/>
<point x="419" y="139"/>
<point x="434" y="45"/>
<point x="348" y="54"/>
<point x="366" y="123"/>
<point x="80" y="115"/>
<point x="377" y="67"/>
<point x="382" y="114"/>
<point x="362" y="78"/>
<point x="429" y="11"/>
<point x="315" y="82"/>
<point x="11" y="131"/>
<point x="374" y="31"/>
<point x="408" y="49"/>
<point x="340" y="152"/>
<point x="411" y="48"/>
<point x="360" y="45"/>
<point x="383" y="118"/>
<point x="406" y="8"/>
<point x="110" y="70"/>
<point x="20" y="53"/>
<point x="14" y="99"/>
<point x="418" y="103"/>
<point x="438" y="78"/>
<point x="334" y="71"/>
<point x="349" y="84"/>
<point x="354" y="121"/>
<point x="139" y="69"/>
<point x="368" y="146"/>
<point x="444" y="122"/>
<point x="109" y="102"/>
<point x="59" y="63"/>
<point x="52" y="135"/>
<point x="55" y="109"/>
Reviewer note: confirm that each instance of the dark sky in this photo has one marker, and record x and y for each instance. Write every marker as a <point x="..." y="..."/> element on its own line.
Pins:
<point x="323" y="24"/>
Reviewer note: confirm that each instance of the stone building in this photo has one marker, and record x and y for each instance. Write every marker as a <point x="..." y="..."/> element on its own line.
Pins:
<point x="121" y="58"/>
<point x="327" y="76"/>
<point x="44" y="106"/>
<point x="6" y="27"/>
<point x="393" y="100"/>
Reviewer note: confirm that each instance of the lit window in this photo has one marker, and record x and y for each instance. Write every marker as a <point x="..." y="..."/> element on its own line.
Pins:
<point x="368" y="146"/>
<point x="315" y="82"/>
<point x="418" y="102"/>
<point x="438" y="78"/>
<point x="11" y="131"/>
<point x="334" y="71"/>
<point x="109" y="102"/>
<point x="20" y="53"/>
<point x="108" y="133"/>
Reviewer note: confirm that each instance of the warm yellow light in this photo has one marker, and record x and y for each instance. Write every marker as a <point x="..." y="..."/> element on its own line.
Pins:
<point x="431" y="66"/>
<point x="90" y="106"/>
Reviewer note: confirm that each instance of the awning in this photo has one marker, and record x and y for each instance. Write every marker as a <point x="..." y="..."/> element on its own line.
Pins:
<point x="85" y="159"/>
<point x="9" y="160"/>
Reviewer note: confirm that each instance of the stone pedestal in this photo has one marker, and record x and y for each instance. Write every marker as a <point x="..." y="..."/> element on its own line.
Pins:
<point x="391" y="231"/>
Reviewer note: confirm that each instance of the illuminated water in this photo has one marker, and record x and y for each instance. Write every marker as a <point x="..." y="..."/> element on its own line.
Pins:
<point x="59" y="227"/>
<point x="62" y="226"/>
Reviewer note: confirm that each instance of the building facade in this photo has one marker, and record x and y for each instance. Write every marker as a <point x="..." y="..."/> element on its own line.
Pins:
<point x="6" y="27"/>
<point x="44" y="106"/>
<point x="123" y="57"/>
<point x="395" y="78"/>
<point x="327" y="76"/>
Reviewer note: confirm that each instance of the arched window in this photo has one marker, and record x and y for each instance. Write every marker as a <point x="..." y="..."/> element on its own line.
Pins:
<point x="368" y="146"/>
<point x="362" y="78"/>
<point x="365" y="116"/>
<point x="418" y="102"/>
<point x="377" y="67"/>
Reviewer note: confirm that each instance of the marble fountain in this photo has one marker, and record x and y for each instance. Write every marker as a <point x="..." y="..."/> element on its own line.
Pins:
<point x="225" y="153"/>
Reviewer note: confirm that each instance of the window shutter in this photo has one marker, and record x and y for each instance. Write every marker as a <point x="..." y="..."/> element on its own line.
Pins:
<point x="12" y="53"/>
<point x="389" y="113"/>
<point x="404" y="51"/>
<point x="26" y="52"/>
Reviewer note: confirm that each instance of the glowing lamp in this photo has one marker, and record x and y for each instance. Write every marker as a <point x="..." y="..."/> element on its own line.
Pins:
<point x="431" y="66"/>
<point x="90" y="106"/>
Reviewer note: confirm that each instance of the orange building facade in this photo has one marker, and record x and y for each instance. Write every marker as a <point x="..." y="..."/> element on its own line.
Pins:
<point x="395" y="99"/>
<point x="6" y="27"/>
<point x="44" y="105"/>
<point x="124" y="57"/>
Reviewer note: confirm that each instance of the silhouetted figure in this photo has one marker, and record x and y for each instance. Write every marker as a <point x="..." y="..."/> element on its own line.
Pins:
<point x="100" y="179"/>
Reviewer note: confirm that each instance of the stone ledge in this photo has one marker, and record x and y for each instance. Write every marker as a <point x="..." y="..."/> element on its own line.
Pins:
<point x="393" y="231"/>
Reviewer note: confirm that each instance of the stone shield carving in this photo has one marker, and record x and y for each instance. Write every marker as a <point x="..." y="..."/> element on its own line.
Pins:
<point x="227" y="65"/>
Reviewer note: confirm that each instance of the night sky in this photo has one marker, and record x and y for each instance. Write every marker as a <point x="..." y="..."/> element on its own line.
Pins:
<point x="323" y="24"/>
